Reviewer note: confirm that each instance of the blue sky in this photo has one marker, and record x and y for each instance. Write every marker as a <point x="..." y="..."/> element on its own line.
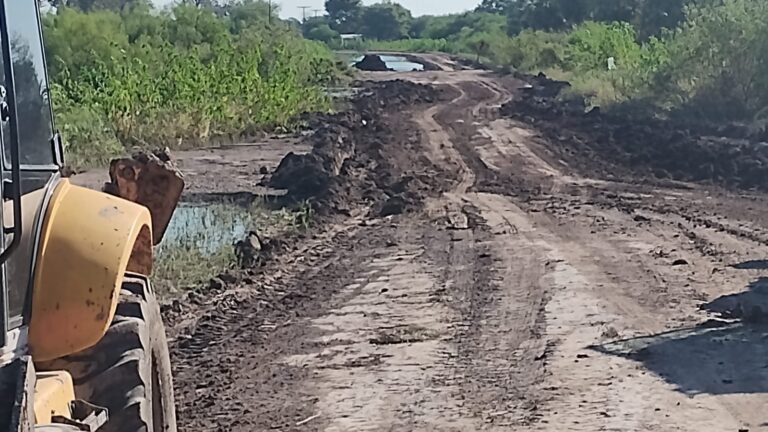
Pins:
<point x="290" y="8"/>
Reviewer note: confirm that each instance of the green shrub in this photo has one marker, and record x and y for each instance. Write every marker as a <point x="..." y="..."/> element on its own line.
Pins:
<point x="717" y="61"/>
<point x="413" y="45"/>
<point x="590" y="45"/>
<point x="178" y="78"/>
<point x="534" y="50"/>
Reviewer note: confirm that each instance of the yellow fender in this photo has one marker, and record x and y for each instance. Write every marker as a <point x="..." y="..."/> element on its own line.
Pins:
<point x="86" y="243"/>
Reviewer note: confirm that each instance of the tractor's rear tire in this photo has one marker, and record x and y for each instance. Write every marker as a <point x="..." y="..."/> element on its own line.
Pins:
<point x="129" y="370"/>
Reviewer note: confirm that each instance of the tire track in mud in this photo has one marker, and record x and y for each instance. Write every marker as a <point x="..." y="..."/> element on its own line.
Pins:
<point x="419" y="337"/>
<point x="383" y="363"/>
<point x="525" y="297"/>
<point x="491" y="283"/>
<point x="579" y="315"/>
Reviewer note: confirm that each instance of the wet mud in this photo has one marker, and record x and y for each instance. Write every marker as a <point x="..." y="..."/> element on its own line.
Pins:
<point x="489" y="258"/>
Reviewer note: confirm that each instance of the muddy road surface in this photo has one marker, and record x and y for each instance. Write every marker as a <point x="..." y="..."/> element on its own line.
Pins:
<point x="475" y="271"/>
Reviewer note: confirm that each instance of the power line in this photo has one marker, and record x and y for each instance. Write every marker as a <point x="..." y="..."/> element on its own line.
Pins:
<point x="304" y="12"/>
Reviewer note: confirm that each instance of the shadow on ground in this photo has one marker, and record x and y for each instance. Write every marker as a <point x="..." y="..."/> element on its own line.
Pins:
<point x="716" y="357"/>
<point x="752" y="265"/>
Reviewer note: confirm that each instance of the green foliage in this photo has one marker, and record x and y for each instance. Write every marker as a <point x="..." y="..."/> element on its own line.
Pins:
<point x="386" y="21"/>
<point x="94" y="142"/>
<point x="534" y="50"/>
<point x="344" y="15"/>
<point x="178" y="78"/>
<point x="414" y="45"/>
<point x="74" y="39"/>
<point x="303" y="217"/>
<point x="718" y="66"/>
<point x="582" y="55"/>
<point x="494" y="6"/>
<point x="649" y="17"/>
<point x="591" y="44"/>
<point x="207" y="234"/>
<point x="323" y="33"/>
<point x="466" y="24"/>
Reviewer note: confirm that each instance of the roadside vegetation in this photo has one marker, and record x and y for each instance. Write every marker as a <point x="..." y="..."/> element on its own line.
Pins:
<point x="126" y="74"/>
<point x="703" y="58"/>
<point x="206" y="233"/>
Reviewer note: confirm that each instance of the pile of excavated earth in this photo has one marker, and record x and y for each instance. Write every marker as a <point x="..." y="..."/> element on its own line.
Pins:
<point x="372" y="63"/>
<point x="612" y="145"/>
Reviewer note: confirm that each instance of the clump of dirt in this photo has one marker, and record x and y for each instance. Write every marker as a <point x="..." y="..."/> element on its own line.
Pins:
<point x="613" y="145"/>
<point x="349" y="162"/>
<point x="373" y="63"/>
<point x="468" y="63"/>
<point x="309" y="175"/>
<point x="428" y="65"/>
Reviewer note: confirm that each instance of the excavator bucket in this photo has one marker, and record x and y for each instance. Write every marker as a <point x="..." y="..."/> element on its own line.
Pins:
<point x="149" y="179"/>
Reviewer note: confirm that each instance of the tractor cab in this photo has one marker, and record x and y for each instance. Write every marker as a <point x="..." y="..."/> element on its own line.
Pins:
<point x="82" y="343"/>
<point x="30" y="160"/>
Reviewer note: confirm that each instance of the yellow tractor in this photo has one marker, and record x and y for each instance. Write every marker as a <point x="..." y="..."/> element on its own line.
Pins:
<point x="83" y="343"/>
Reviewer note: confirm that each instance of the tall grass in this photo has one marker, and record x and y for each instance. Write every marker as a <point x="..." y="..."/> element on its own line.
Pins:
<point x="177" y="78"/>
<point x="199" y="243"/>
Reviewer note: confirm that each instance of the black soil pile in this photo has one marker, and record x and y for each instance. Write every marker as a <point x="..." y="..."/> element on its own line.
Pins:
<point x="373" y="63"/>
<point x="351" y="162"/>
<point x="616" y="145"/>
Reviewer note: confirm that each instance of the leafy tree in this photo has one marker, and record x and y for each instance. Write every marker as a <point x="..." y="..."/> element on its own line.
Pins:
<point x="480" y="45"/>
<point x="536" y="49"/>
<point x="718" y="63"/>
<point x="244" y="14"/>
<point x="319" y="29"/>
<point x="495" y="6"/>
<point x="655" y="15"/>
<point x="141" y="22"/>
<point x="323" y="33"/>
<point x="649" y="16"/>
<point x="386" y="21"/>
<point x="591" y="44"/>
<point x="89" y="5"/>
<point x="78" y="42"/>
<point x="444" y="27"/>
<point x="178" y="77"/>
<point x="192" y="26"/>
<point x="419" y="25"/>
<point x="344" y="14"/>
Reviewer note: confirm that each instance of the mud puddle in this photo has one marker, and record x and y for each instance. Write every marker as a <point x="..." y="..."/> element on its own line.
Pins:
<point x="200" y="242"/>
<point x="396" y="63"/>
<point x="210" y="225"/>
<point x="207" y="226"/>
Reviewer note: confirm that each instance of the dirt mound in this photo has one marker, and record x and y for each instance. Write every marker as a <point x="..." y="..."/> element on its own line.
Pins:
<point x="347" y="160"/>
<point x="308" y="175"/>
<point x="373" y="63"/>
<point x="614" y="145"/>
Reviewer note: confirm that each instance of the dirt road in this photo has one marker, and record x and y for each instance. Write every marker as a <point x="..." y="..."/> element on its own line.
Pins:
<point x="523" y="293"/>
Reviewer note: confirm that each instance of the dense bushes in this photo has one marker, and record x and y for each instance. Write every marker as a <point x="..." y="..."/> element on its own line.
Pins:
<point x="413" y="45"/>
<point x="178" y="77"/>
<point x="718" y="66"/>
<point x="703" y="58"/>
<point x="712" y="66"/>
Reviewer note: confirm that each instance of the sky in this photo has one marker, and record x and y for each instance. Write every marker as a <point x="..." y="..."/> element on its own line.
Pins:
<point x="290" y="8"/>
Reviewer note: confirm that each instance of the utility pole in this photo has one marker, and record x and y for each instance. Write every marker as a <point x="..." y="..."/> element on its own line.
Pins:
<point x="304" y="12"/>
<point x="316" y="11"/>
<point x="269" y="16"/>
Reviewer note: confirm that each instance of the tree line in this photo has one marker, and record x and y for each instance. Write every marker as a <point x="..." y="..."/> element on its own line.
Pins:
<point x="649" y="17"/>
<point x="704" y="58"/>
<point x="391" y="21"/>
